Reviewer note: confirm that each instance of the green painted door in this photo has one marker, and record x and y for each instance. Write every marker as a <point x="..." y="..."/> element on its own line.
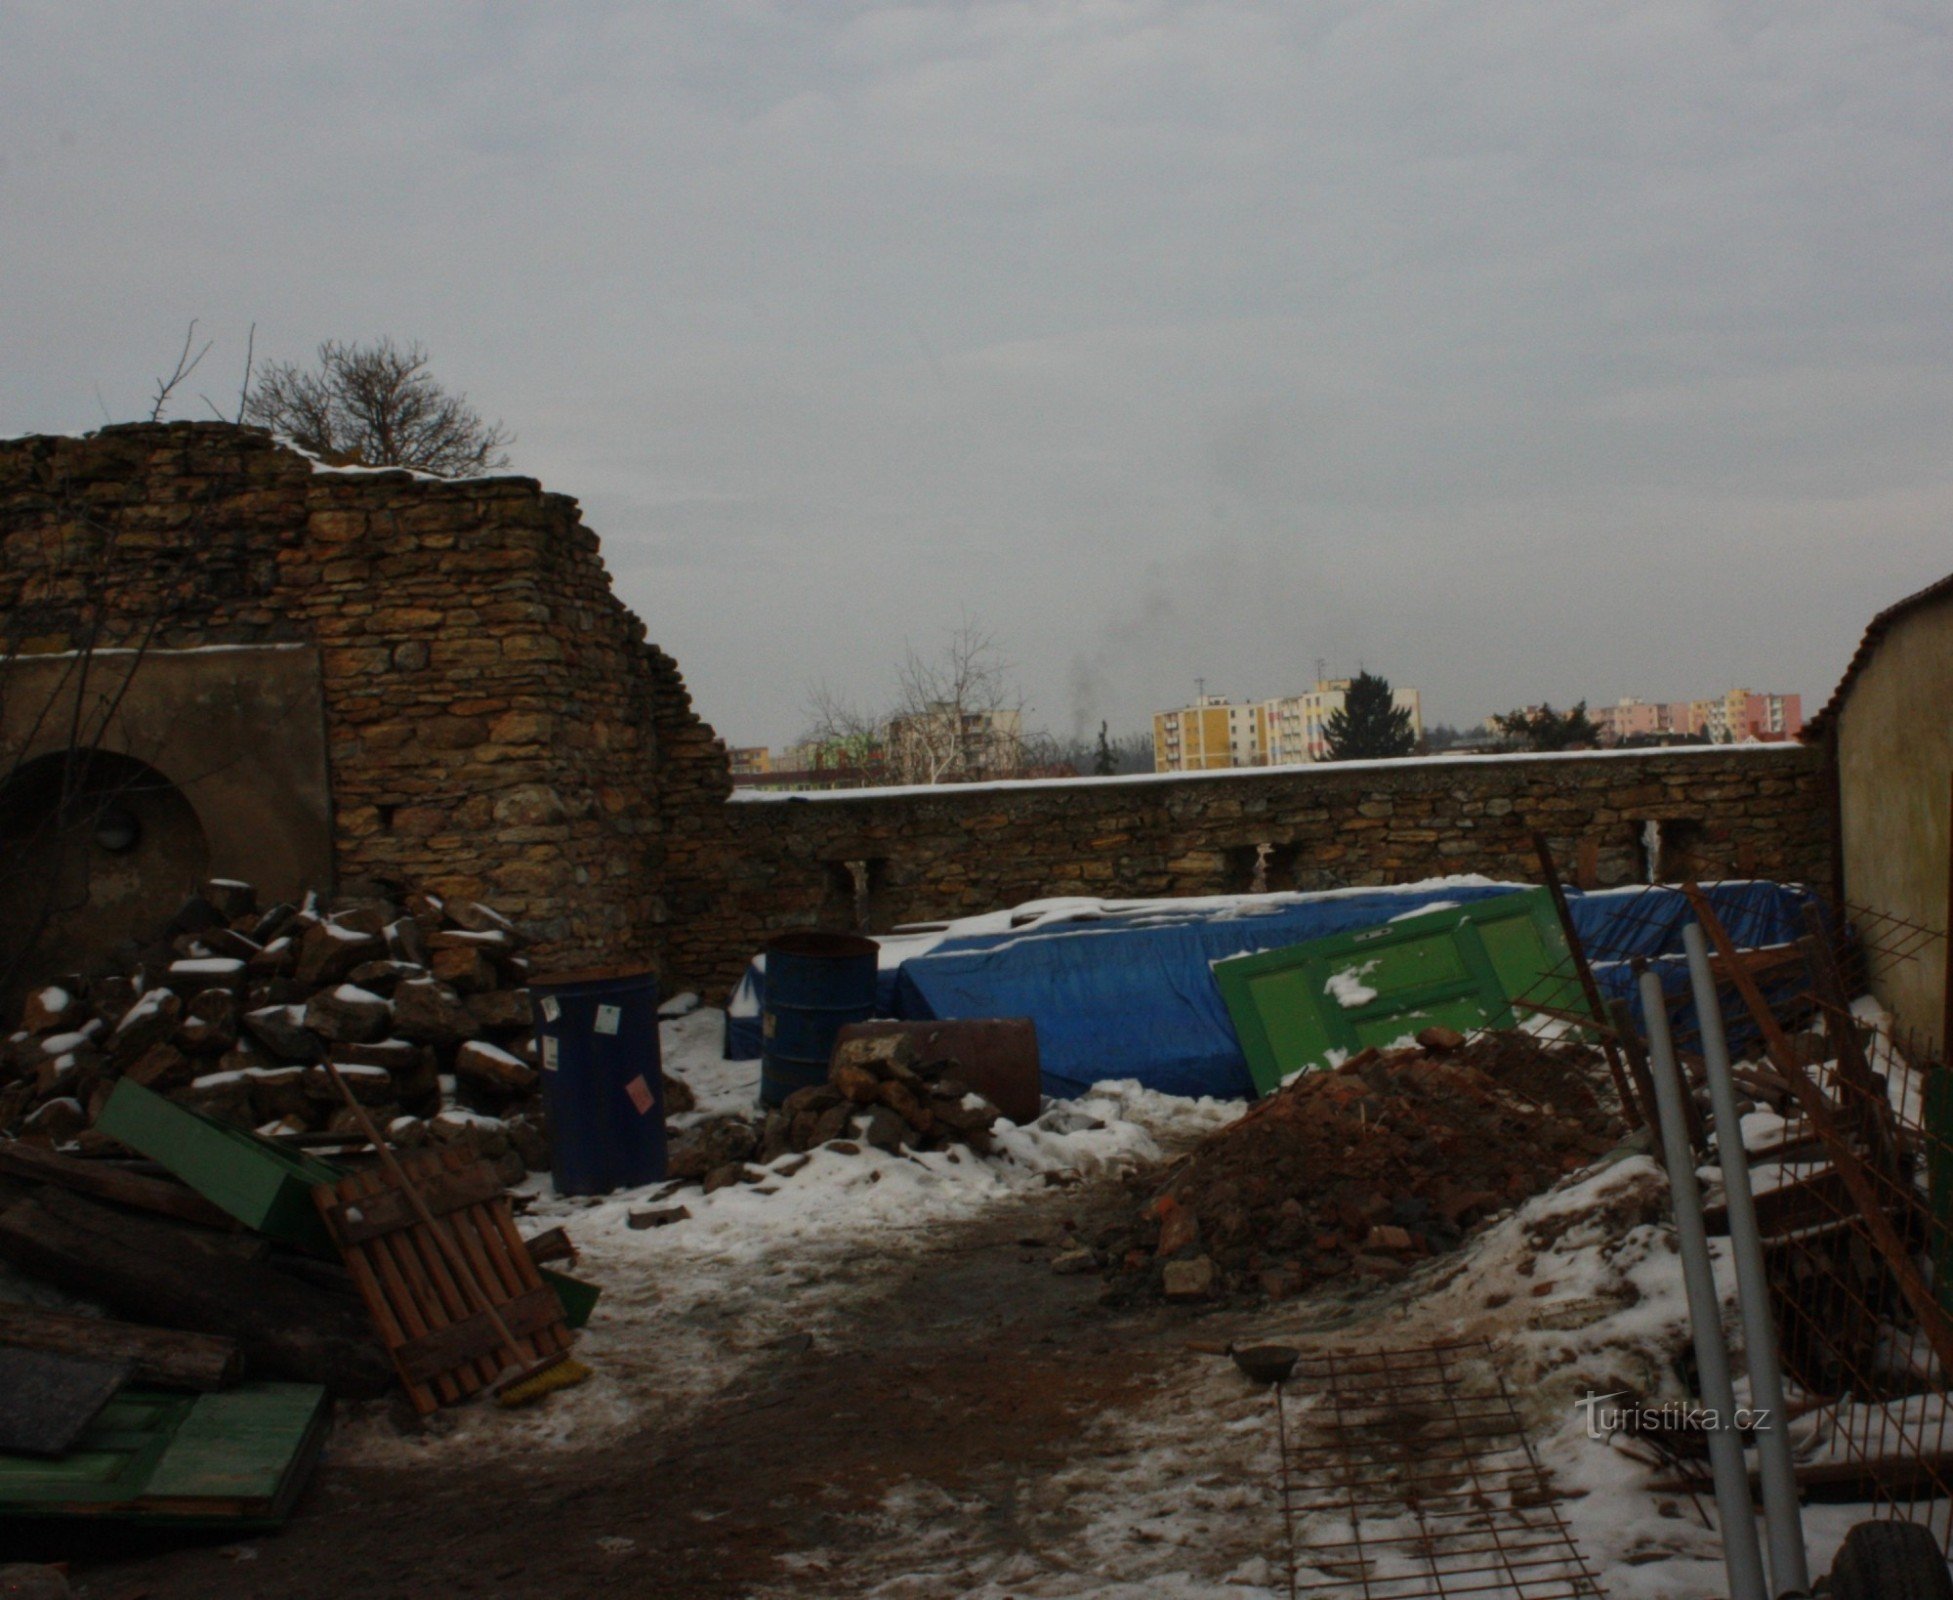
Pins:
<point x="1313" y="1005"/>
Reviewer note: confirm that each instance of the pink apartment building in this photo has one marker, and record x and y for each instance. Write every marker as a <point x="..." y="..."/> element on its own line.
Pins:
<point x="1731" y="718"/>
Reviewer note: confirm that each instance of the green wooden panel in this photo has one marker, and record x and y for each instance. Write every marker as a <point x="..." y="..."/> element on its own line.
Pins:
<point x="110" y="1464"/>
<point x="264" y="1185"/>
<point x="578" y="1297"/>
<point x="236" y="1445"/>
<point x="232" y="1459"/>
<point x="1313" y="1004"/>
<point x="1529" y="953"/>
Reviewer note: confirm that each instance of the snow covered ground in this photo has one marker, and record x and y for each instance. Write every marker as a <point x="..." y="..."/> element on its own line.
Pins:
<point x="1579" y="1292"/>
<point x="688" y="1306"/>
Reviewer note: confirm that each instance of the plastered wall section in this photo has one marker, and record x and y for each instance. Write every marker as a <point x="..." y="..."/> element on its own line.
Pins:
<point x="239" y="730"/>
<point x="1895" y="793"/>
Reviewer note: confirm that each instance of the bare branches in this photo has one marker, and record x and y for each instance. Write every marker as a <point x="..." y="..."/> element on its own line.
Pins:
<point x="185" y="365"/>
<point x="957" y="717"/>
<point x="378" y="406"/>
<point x="244" y="389"/>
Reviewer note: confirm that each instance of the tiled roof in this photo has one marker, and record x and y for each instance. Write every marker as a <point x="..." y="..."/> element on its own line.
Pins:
<point x="1875" y="632"/>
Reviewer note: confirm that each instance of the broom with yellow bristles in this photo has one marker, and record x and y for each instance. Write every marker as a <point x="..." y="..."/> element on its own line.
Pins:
<point x="517" y="1384"/>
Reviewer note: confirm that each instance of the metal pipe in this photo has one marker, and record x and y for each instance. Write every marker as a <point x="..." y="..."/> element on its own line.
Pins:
<point x="1742" y="1557"/>
<point x="1782" y="1517"/>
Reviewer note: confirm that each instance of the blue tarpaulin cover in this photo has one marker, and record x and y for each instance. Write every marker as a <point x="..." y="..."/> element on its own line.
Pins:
<point x="1128" y="991"/>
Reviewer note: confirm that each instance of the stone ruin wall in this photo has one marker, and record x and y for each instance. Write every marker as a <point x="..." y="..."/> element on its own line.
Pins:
<point x="498" y="727"/>
<point x="694" y="785"/>
<point x="490" y="705"/>
<point x="777" y="863"/>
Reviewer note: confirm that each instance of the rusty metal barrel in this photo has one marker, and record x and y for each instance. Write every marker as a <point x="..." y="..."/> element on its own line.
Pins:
<point x="996" y="1056"/>
<point x="816" y="983"/>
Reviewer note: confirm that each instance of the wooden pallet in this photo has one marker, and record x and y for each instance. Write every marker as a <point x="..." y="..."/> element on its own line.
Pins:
<point x="443" y="1350"/>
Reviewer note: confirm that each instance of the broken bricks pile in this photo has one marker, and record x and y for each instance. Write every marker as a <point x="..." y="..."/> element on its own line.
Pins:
<point x="879" y="1092"/>
<point x="421" y="1005"/>
<point x="1362" y="1171"/>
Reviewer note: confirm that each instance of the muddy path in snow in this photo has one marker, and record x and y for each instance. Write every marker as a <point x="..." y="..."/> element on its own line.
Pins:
<point x="972" y="1368"/>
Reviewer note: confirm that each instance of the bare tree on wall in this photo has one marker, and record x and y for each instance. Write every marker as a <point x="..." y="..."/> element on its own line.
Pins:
<point x="376" y="405"/>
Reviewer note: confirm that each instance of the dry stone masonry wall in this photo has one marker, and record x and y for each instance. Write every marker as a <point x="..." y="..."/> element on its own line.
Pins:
<point x="490" y="705"/>
<point x="907" y="857"/>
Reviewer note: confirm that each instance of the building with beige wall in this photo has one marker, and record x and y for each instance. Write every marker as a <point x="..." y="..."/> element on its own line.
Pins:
<point x="947" y="743"/>
<point x="1641" y="719"/>
<point x="1297" y="723"/>
<point x="1891" y="739"/>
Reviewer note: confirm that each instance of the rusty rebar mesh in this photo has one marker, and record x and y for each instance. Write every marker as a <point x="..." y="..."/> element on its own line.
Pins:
<point x="1412" y="1476"/>
<point x="1863" y="944"/>
<point x="1876" y="941"/>
<point x="1854" y="1197"/>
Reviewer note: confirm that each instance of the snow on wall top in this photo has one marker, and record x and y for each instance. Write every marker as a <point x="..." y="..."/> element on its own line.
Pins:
<point x="1222" y="775"/>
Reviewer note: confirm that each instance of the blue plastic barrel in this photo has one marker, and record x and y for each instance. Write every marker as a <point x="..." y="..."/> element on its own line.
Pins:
<point x="603" y="1080"/>
<point x="816" y="984"/>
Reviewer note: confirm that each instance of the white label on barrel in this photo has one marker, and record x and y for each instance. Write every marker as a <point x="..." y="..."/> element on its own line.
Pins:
<point x="550" y="1009"/>
<point x="608" y="1017"/>
<point x="640" y="1093"/>
<point x="549" y="1053"/>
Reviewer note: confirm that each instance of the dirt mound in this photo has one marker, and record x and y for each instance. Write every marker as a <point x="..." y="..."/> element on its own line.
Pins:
<point x="1366" y="1169"/>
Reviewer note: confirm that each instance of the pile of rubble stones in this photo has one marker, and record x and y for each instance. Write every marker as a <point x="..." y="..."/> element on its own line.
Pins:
<point x="1362" y="1171"/>
<point x="421" y="1004"/>
<point x="879" y="1093"/>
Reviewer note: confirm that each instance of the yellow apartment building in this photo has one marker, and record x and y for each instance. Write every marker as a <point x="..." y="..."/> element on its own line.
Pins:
<point x="1211" y="733"/>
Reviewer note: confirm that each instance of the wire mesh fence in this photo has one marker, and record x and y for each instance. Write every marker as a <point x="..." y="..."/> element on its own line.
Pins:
<point x="1851" y="1149"/>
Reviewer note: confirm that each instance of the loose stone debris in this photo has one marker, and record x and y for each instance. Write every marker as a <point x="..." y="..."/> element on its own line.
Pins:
<point x="1363" y="1171"/>
<point x="879" y="1093"/>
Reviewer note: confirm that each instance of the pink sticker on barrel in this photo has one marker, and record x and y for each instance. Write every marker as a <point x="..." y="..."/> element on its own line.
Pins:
<point x="641" y="1096"/>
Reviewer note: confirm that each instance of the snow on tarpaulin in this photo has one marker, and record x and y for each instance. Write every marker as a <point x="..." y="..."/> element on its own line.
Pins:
<point x="1276" y="920"/>
<point x="1125" y="988"/>
<point x="1135" y="995"/>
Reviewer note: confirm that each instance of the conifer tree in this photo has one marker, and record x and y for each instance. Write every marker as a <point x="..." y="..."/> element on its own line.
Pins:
<point x="1369" y="725"/>
<point x="1543" y="728"/>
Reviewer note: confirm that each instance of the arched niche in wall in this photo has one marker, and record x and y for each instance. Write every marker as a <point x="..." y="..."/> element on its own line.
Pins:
<point x="94" y="845"/>
<point x="235" y="733"/>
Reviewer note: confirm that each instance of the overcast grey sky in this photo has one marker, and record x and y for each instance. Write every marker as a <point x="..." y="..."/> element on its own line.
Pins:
<point x="1514" y="348"/>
